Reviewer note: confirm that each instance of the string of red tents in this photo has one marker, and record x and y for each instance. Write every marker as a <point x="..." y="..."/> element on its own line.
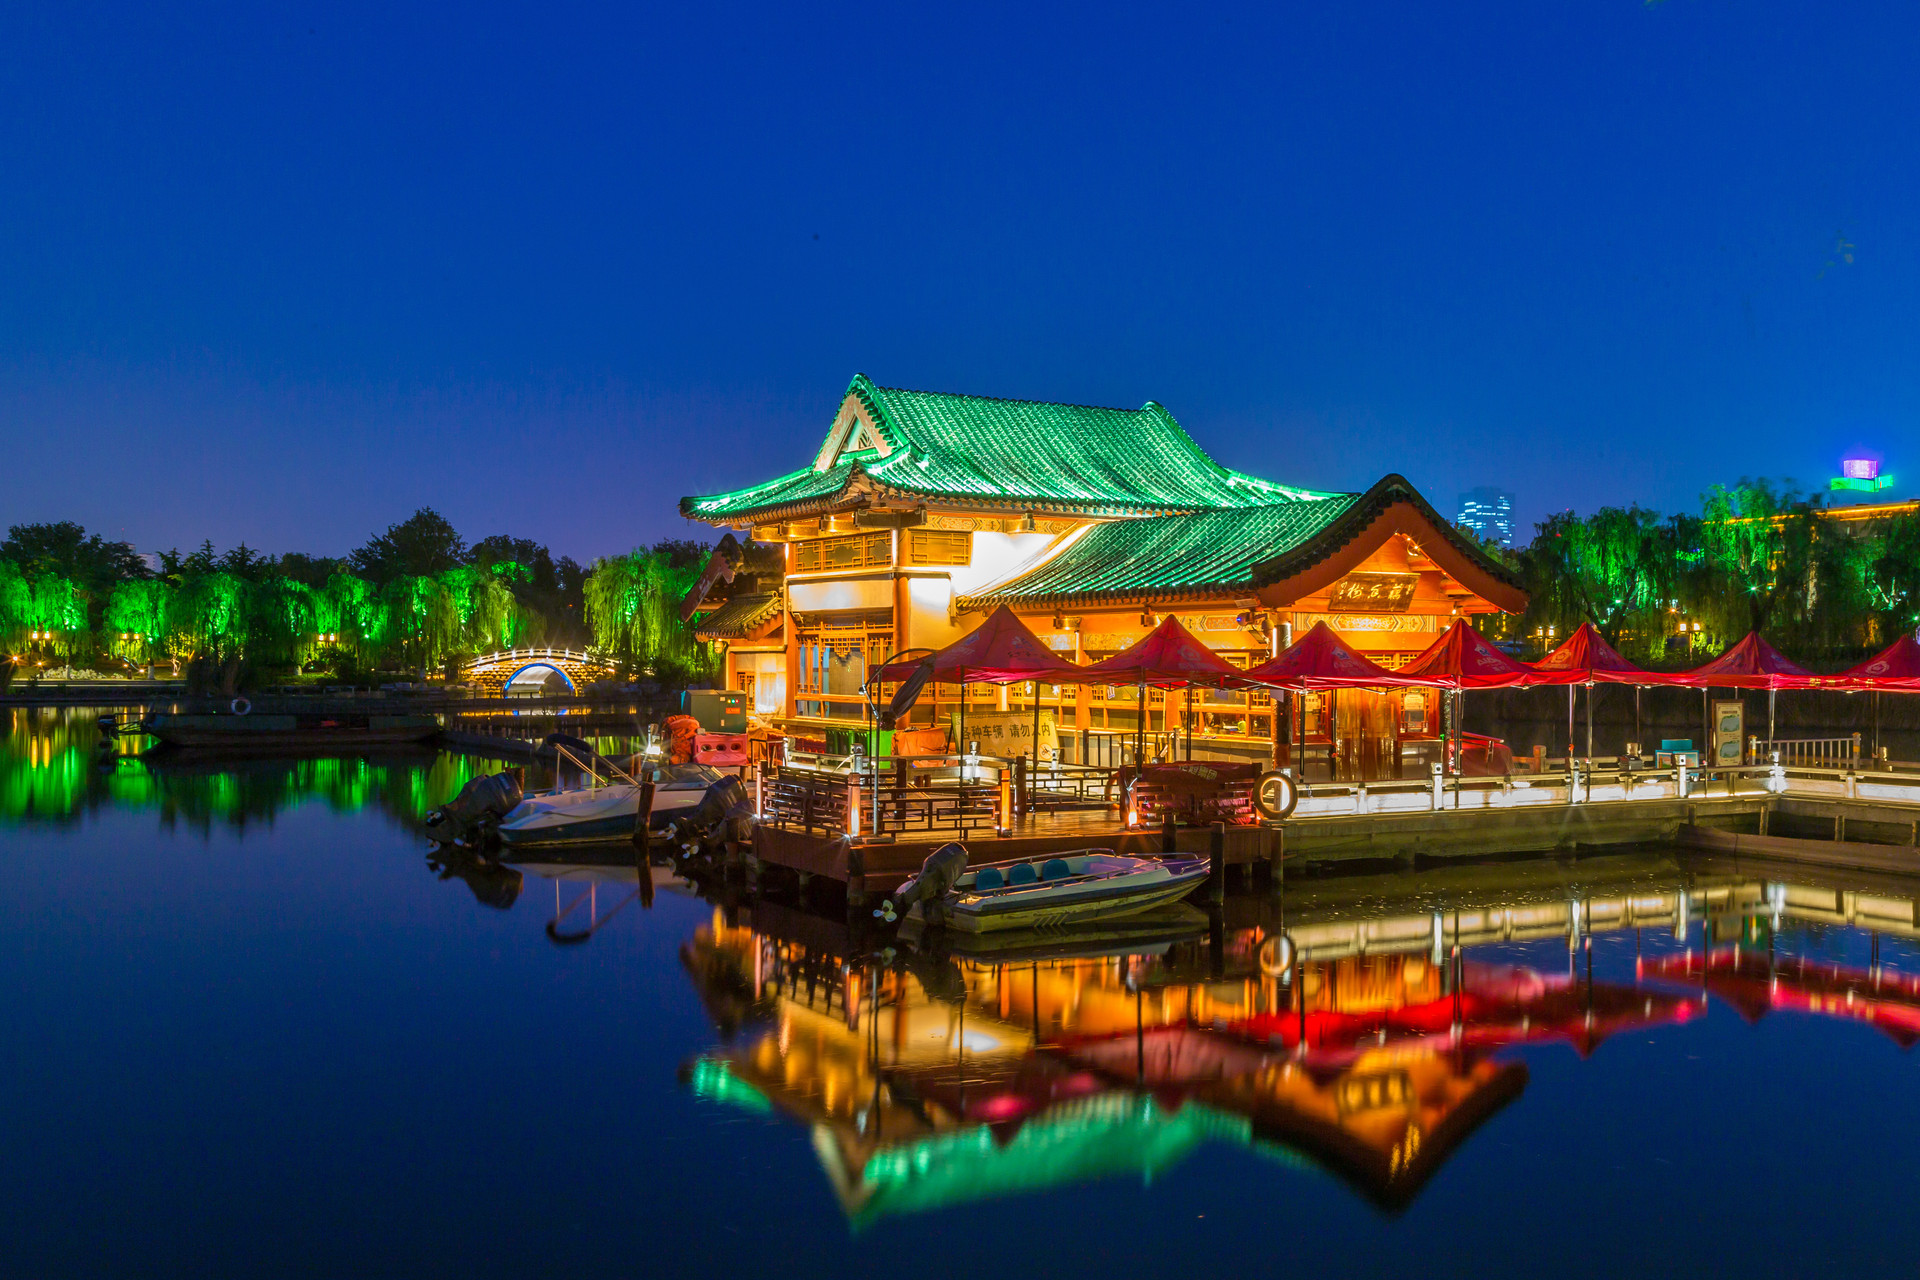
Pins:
<point x="1002" y="651"/>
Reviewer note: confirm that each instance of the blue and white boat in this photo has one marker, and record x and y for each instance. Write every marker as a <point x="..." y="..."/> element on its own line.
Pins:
<point x="1045" y="893"/>
<point x="606" y="807"/>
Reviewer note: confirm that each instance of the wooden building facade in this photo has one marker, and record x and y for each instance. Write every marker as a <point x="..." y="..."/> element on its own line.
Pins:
<point x="922" y="511"/>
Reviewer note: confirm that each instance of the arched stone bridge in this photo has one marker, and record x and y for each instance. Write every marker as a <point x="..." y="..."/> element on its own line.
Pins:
<point x="530" y="668"/>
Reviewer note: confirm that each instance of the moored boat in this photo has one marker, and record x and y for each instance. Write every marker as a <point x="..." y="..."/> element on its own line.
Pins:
<point x="588" y="815"/>
<point x="1045" y="893"/>
<point x="289" y="732"/>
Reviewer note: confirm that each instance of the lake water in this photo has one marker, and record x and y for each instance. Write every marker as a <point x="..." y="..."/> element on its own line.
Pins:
<point x="255" y="1025"/>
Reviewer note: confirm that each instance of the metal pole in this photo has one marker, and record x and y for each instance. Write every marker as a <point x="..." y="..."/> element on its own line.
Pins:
<point x="1569" y="722"/>
<point x="1589" y="720"/>
<point x="1770" y="697"/>
<point x="1139" y="732"/>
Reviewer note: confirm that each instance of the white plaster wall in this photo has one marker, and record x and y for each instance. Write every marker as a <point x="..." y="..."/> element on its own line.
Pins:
<point x="995" y="555"/>
<point x="819" y="597"/>
<point x="928" y="600"/>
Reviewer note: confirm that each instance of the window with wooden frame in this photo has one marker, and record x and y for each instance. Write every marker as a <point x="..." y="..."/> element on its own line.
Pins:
<point x="939" y="546"/>
<point x="861" y="551"/>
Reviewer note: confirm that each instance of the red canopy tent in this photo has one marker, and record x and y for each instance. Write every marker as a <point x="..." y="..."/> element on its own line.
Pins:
<point x="1585" y="658"/>
<point x="1459" y="660"/>
<point x="1895" y="669"/>
<point x="1462" y="659"/>
<point x="1168" y="657"/>
<point x="1322" y="660"/>
<point x="1750" y="664"/>
<point x="1000" y="650"/>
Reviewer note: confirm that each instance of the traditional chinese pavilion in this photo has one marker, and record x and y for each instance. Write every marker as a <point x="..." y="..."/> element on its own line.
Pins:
<point x="922" y="511"/>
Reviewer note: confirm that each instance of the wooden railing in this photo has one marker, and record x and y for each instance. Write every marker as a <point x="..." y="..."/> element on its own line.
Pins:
<point x="892" y="794"/>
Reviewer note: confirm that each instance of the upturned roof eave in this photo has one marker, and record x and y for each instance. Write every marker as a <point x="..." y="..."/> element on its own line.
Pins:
<point x="1101" y="599"/>
<point x="1354" y="522"/>
<point x="853" y="495"/>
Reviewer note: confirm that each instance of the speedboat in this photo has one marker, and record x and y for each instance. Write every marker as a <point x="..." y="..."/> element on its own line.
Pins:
<point x="591" y="814"/>
<point x="1091" y="884"/>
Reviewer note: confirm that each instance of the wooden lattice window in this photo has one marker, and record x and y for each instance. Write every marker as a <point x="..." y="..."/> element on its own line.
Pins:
<point x="861" y="551"/>
<point x="939" y="546"/>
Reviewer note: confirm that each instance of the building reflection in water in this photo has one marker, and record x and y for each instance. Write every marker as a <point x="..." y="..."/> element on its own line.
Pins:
<point x="932" y="1082"/>
<point x="1357" y="1036"/>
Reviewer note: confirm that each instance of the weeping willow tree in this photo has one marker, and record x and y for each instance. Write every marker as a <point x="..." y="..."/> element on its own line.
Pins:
<point x="16" y="602"/>
<point x="349" y="609"/>
<point x="139" y="617"/>
<point x="210" y="615"/>
<point x="633" y="609"/>
<point x="488" y="615"/>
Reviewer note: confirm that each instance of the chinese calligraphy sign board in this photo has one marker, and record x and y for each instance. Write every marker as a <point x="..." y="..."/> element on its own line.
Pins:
<point x="1373" y="593"/>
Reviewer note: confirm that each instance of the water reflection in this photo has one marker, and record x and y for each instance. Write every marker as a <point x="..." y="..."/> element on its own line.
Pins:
<point x="56" y="768"/>
<point x="1351" y="1027"/>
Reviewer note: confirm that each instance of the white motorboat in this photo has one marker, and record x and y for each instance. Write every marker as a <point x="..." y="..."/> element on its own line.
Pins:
<point x="590" y="814"/>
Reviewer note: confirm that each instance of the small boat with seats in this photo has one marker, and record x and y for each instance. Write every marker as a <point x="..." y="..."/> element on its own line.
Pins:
<point x="1044" y="893"/>
<point x="605" y="807"/>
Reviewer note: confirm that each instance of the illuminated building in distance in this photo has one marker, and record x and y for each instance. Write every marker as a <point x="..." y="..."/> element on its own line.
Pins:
<point x="1489" y="513"/>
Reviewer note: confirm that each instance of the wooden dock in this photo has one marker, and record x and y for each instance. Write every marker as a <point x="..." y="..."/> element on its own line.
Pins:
<point x="1867" y="820"/>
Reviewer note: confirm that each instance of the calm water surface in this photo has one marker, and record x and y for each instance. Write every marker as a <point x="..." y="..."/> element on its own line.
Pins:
<point x="254" y="1026"/>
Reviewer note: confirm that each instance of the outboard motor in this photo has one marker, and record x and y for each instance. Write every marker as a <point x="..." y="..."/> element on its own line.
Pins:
<point x="724" y="813"/>
<point x="935" y="879"/>
<point x="481" y="802"/>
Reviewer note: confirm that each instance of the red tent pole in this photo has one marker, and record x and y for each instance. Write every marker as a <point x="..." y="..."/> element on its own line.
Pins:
<point x="1589" y="720"/>
<point x="1569" y="722"/>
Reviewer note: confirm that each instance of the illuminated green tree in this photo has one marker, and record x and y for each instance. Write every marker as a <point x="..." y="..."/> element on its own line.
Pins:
<point x="1600" y="569"/>
<point x="633" y="610"/>
<point x="1758" y="547"/>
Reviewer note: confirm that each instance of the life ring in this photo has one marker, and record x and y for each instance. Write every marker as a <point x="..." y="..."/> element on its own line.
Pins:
<point x="1275" y="795"/>
<point x="1276" y="955"/>
<point x="239" y="706"/>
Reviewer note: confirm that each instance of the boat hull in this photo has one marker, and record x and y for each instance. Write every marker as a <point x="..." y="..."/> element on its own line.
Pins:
<point x="287" y="733"/>
<point x="592" y="817"/>
<point x="1061" y="914"/>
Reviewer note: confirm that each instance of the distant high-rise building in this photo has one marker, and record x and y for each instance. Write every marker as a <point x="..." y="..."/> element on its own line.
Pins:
<point x="1489" y="513"/>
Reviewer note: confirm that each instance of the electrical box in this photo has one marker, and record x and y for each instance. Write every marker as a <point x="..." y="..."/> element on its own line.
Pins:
<point x="717" y="710"/>
<point x="1729" y="733"/>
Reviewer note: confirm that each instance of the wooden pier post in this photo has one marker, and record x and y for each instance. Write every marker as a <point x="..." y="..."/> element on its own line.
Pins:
<point x="1217" y="866"/>
<point x="856" y="885"/>
<point x="643" y="815"/>
<point x="1167" y="840"/>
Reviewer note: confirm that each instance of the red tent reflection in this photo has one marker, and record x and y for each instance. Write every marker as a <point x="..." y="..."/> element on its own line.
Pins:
<point x="1756" y="984"/>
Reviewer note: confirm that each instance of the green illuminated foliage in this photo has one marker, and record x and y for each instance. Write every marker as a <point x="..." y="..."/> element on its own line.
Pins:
<point x="633" y="608"/>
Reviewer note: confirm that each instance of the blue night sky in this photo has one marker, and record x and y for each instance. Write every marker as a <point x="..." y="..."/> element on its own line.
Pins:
<point x="281" y="274"/>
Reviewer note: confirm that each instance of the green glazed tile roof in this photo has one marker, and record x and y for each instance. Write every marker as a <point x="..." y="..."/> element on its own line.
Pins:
<point x="738" y="617"/>
<point x="1167" y="555"/>
<point x="1016" y="453"/>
